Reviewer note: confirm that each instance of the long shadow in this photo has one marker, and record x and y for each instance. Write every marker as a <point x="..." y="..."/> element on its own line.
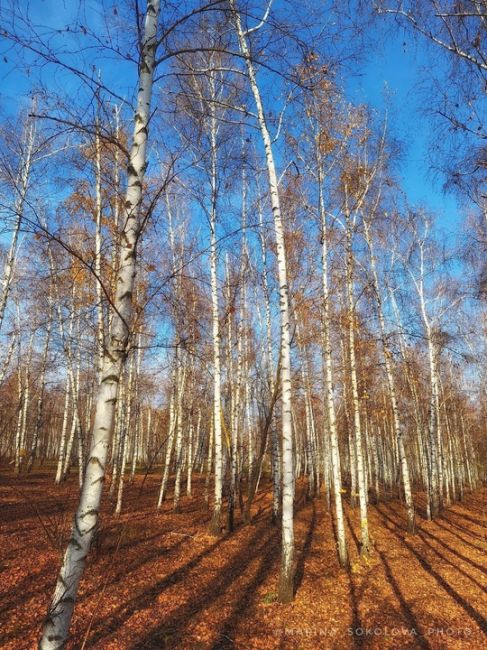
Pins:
<point x="298" y="579"/>
<point x="419" y="505"/>
<point x="23" y="510"/>
<point x="471" y="611"/>
<point x="477" y="496"/>
<point x="443" y="557"/>
<point x="473" y="534"/>
<point x="459" y="555"/>
<point x="358" y="639"/>
<point x="352" y="531"/>
<point x="17" y="595"/>
<point x="457" y="535"/>
<point x="422" y="532"/>
<point x="476" y="522"/>
<point x="406" y="609"/>
<point x="471" y="508"/>
<point x="122" y="613"/>
<point x="130" y="568"/>
<point x="247" y="597"/>
<point x="171" y="631"/>
<point x="457" y="568"/>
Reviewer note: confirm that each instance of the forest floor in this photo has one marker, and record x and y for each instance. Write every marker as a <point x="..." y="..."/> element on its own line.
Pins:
<point x="158" y="580"/>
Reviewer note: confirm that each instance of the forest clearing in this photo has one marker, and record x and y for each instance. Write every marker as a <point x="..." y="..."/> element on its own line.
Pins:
<point x="243" y="324"/>
<point x="160" y="581"/>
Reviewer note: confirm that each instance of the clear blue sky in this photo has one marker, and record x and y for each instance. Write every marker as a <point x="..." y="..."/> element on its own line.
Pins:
<point x="392" y="69"/>
<point x="390" y="77"/>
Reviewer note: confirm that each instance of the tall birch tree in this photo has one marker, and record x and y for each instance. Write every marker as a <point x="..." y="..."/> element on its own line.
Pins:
<point x="56" y="627"/>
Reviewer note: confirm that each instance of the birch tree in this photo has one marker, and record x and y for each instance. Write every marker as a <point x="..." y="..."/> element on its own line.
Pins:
<point x="56" y="626"/>
<point x="20" y="189"/>
<point x="286" y="581"/>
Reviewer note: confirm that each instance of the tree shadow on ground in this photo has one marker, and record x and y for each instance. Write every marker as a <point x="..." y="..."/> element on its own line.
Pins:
<point x="122" y="613"/>
<point x="263" y="549"/>
<point x="451" y="531"/>
<point x="247" y="598"/>
<point x="354" y="592"/>
<point x="423" y="534"/>
<point x="471" y="611"/>
<point x="173" y="629"/>
<point x="299" y="575"/>
<point x="405" y="608"/>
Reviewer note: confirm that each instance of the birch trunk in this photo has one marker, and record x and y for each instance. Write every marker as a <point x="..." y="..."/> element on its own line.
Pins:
<point x="275" y="455"/>
<point x="286" y="586"/>
<point x="42" y="386"/>
<point x="388" y="359"/>
<point x="8" y="356"/>
<point x="179" y="435"/>
<point x="22" y="185"/>
<point x="217" y="415"/>
<point x="359" y="457"/>
<point x="194" y="437"/>
<point x="328" y="377"/>
<point x="64" y="428"/>
<point x="434" y="423"/>
<point x="98" y="243"/>
<point x="127" y="420"/>
<point x="25" y="405"/>
<point x="170" y="436"/>
<point x="56" y="627"/>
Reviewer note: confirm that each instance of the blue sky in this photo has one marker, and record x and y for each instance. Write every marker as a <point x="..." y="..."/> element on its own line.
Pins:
<point x="393" y="70"/>
<point x="390" y="77"/>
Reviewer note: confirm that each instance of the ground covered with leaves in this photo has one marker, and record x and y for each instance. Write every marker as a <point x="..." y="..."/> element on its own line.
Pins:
<point x="158" y="580"/>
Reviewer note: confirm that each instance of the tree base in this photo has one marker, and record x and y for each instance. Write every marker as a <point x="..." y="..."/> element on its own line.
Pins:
<point x="285" y="592"/>
<point x="215" y="526"/>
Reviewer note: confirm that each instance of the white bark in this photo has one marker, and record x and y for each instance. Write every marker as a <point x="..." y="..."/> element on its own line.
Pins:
<point x="98" y="243"/>
<point x="435" y="465"/>
<point x="127" y="428"/>
<point x="8" y="356"/>
<point x="286" y="587"/>
<point x="56" y="626"/>
<point x="64" y="428"/>
<point x="359" y="454"/>
<point x="388" y="360"/>
<point x="179" y="432"/>
<point x="170" y="435"/>
<point x="275" y="455"/>
<point x="217" y="415"/>
<point x="328" y="377"/>
<point x="22" y="186"/>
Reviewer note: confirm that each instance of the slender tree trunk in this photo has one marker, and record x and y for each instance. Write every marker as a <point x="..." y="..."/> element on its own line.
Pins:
<point x="25" y="406"/>
<point x="56" y="626"/>
<point x="179" y="434"/>
<point x="328" y="377"/>
<point x="434" y="423"/>
<point x="194" y="437"/>
<point x="215" y="524"/>
<point x="359" y="457"/>
<point x="98" y="243"/>
<point x="126" y="431"/>
<point x="286" y="582"/>
<point x="275" y="454"/>
<point x="64" y="428"/>
<point x="8" y="356"/>
<point x="22" y="185"/>
<point x="388" y="360"/>
<point x="209" y="464"/>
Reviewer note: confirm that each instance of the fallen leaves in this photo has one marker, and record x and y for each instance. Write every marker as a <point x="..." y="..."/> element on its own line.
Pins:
<point x="161" y="581"/>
